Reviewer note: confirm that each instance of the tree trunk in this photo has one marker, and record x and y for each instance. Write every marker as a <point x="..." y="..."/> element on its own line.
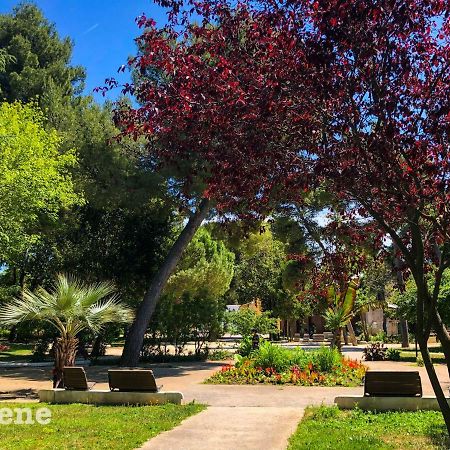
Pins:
<point x="365" y="326"/>
<point x="442" y="334"/>
<point x="437" y="388"/>
<point x="134" y="340"/>
<point x="337" y="343"/>
<point x="351" y="333"/>
<point x="404" y="333"/>
<point x="65" y="352"/>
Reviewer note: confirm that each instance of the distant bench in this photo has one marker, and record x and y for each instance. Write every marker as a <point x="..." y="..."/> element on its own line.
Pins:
<point x="127" y="386"/>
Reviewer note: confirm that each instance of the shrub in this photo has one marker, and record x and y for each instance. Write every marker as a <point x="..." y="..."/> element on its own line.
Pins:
<point x="244" y="320"/>
<point x="271" y="356"/>
<point x="375" y="352"/>
<point x="392" y="354"/>
<point x="419" y="361"/>
<point x="326" y="358"/>
<point x="40" y="350"/>
<point x="220" y="355"/>
<point x="379" y="337"/>
<point x="245" y="347"/>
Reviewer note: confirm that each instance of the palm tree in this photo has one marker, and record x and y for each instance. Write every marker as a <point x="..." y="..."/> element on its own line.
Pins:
<point x="341" y="309"/>
<point x="71" y="307"/>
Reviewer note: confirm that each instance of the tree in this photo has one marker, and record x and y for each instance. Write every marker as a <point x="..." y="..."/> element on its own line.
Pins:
<point x="201" y="101"/>
<point x="383" y="113"/>
<point x="70" y="307"/>
<point x="40" y="64"/>
<point x="35" y="182"/>
<point x="354" y="93"/>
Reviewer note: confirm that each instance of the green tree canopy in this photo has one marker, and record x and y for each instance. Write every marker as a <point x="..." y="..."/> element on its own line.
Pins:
<point x="35" y="182"/>
<point x="205" y="270"/>
<point x="41" y="59"/>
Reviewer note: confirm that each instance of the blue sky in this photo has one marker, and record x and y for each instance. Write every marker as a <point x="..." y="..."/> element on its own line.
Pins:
<point x="102" y="31"/>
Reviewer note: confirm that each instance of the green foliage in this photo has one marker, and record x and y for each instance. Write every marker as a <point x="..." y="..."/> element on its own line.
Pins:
<point x="246" y="345"/>
<point x="244" y="320"/>
<point x="379" y="337"/>
<point x="113" y="433"/>
<point x="406" y="300"/>
<point x="41" y="60"/>
<point x="70" y="307"/>
<point x="419" y="360"/>
<point x="271" y="356"/>
<point x="392" y="354"/>
<point x="35" y="183"/>
<point x="258" y="273"/>
<point x="220" y="354"/>
<point x="197" y="319"/>
<point x="358" y="430"/>
<point x="206" y="269"/>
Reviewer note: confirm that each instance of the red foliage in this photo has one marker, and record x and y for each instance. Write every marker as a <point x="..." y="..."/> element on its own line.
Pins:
<point x="275" y="98"/>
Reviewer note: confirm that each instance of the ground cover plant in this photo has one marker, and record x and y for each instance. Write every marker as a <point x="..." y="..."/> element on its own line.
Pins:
<point x="359" y="430"/>
<point x="273" y="364"/>
<point x="85" y="426"/>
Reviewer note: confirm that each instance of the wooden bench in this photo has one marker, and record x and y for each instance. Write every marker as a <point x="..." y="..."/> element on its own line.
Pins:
<point x="318" y="338"/>
<point x="75" y="379"/>
<point x="132" y="380"/>
<point x="392" y="384"/>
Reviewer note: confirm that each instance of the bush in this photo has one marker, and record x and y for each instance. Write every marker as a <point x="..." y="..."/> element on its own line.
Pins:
<point x="392" y="354"/>
<point x="326" y="358"/>
<point x="220" y="354"/>
<point x="271" y="356"/>
<point x="419" y="361"/>
<point x="375" y="352"/>
<point x="40" y="351"/>
<point x="379" y="337"/>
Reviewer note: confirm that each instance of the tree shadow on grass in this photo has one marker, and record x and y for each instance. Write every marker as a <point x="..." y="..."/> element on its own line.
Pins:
<point x="439" y="437"/>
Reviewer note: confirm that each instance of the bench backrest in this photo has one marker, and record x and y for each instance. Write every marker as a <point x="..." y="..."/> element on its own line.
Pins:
<point x="132" y="380"/>
<point x="394" y="384"/>
<point x="75" y="378"/>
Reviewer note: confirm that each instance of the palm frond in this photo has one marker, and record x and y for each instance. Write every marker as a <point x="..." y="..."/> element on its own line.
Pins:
<point x="70" y="306"/>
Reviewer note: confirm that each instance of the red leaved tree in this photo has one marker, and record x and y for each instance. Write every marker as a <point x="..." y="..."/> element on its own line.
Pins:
<point x="352" y="92"/>
<point x="383" y="147"/>
<point x="215" y="111"/>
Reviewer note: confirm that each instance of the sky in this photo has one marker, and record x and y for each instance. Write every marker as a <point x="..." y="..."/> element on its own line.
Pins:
<point x="102" y="32"/>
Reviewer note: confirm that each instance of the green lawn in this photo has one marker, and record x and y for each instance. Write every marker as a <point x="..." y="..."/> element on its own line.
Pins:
<point x="329" y="428"/>
<point x="16" y="352"/>
<point x="410" y="356"/>
<point x="94" y="427"/>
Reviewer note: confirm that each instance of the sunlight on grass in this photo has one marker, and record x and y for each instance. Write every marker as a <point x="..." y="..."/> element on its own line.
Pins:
<point x="325" y="428"/>
<point x="95" y="427"/>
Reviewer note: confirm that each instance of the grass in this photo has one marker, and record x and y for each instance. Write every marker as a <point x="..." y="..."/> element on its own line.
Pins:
<point x="326" y="427"/>
<point x="16" y="352"/>
<point x="94" y="427"/>
<point x="410" y="356"/>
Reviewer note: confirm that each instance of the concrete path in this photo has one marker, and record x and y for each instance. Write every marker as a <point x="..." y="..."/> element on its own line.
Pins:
<point x="227" y="428"/>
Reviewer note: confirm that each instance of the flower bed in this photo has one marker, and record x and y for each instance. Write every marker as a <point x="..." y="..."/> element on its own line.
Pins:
<point x="272" y="364"/>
